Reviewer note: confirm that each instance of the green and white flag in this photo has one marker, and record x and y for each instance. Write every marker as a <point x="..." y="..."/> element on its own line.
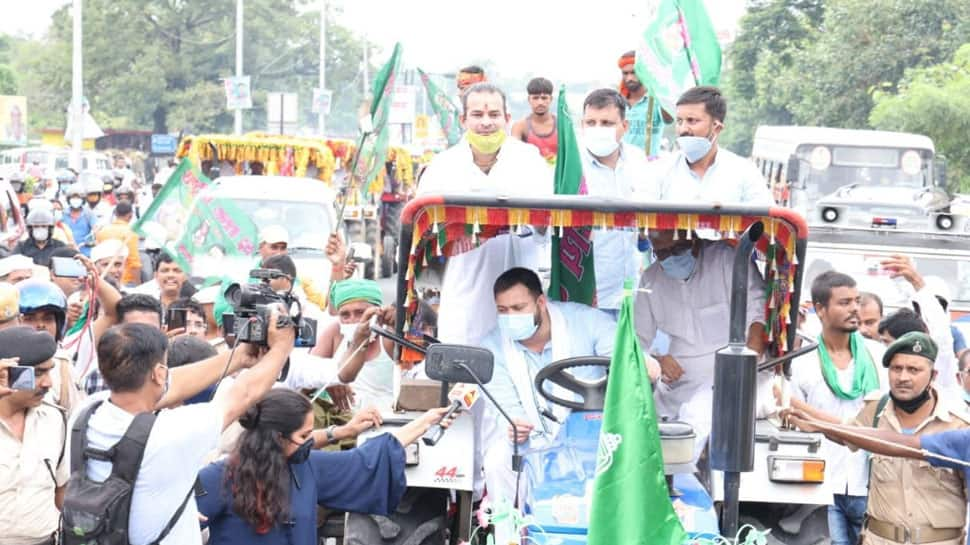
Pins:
<point x="679" y="50"/>
<point x="187" y="224"/>
<point x="631" y="503"/>
<point x="449" y="116"/>
<point x="372" y="147"/>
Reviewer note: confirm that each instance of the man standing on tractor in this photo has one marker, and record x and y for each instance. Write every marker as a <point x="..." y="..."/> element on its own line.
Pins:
<point x="539" y="127"/>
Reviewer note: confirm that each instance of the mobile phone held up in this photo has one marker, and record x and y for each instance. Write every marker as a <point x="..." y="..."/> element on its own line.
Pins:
<point x="175" y="318"/>
<point x="68" y="267"/>
<point x="21" y="377"/>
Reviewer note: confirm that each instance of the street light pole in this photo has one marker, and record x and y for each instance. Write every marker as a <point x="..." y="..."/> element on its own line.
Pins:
<point x="321" y="119"/>
<point x="77" y="91"/>
<point x="239" y="58"/>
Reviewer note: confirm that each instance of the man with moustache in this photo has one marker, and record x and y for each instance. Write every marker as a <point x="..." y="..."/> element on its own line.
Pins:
<point x="639" y="103"/>
<point x="832" y="384"/>
<point x="33" y="468"/>
<point x="910" y="501"/>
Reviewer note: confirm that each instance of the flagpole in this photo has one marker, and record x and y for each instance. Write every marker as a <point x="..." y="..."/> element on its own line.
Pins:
<point x="77" y="90"/>
<point x="238" y="120"/>
<point x="650" y="106"/>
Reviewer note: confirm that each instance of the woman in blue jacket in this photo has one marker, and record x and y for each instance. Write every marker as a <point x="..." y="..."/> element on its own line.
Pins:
<point x="267" y="490"/>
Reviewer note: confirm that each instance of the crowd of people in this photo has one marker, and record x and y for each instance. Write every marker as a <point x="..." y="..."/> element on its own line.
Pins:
<point x="135" y="370"/>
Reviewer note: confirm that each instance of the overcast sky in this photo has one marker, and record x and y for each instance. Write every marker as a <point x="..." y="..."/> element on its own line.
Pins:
<point x="557" y="39"/>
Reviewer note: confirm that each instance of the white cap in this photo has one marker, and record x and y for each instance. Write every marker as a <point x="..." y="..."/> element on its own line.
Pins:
<point x="274" y="234"/>
<point x="108" y="249"/>
<point x="16" y="262"/>
<point x="207" y="296"/>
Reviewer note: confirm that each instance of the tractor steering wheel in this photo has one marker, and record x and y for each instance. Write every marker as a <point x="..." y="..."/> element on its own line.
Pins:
<point x="592" y="392"/>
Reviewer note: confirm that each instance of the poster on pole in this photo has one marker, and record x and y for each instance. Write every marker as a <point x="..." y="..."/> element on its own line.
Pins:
<point x="238" y="93"/>
<point x="13" y="120"/>
<point x="322" y="98"/>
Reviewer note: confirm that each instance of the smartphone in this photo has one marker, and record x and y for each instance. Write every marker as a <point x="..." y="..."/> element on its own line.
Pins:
<point x="175" y="318"/>
<point x="21" y="377"/>
<point x="68" y="267"/>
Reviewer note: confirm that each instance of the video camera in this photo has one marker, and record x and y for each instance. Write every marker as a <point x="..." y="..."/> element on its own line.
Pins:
<point x="253" y="306"/>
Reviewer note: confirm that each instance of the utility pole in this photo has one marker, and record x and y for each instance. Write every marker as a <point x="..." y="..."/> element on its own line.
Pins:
<point x="239" y="59"/>
<point x="77" y="91"/>
<point x="321" y="119"/>
<point x="366" y="71"/>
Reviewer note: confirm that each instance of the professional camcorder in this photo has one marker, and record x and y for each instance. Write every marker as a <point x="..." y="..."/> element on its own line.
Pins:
<point x="253" y="306"/>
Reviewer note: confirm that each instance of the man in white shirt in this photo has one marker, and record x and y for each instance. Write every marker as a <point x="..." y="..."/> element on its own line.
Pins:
<point x="613" y="169"/>
<point x="702" y="171"/>
<point x="484" y="162"/>
<point x="831" y="384"/>
<point x="686" y="293"/>
<point x="132" y="359"/>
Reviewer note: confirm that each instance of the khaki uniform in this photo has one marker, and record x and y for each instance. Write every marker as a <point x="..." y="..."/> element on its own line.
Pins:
<point x="911" y="497"/>
<point x="29" y="473"/>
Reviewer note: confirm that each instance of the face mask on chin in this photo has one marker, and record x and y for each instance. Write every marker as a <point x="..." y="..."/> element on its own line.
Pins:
<point x="910" y="406"/>
<point x="486" y="143"/>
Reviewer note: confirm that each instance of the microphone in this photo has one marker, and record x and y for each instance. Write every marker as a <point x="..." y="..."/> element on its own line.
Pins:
<point x="462" y="397"/>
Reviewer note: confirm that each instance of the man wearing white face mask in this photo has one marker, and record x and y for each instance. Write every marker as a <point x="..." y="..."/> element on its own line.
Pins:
<point x="39" y="245"/>
<point x="533" y="332"/>
<point x="702" y="171"/>
<point x="686" y="293"/>
<point x="613" y="169"/>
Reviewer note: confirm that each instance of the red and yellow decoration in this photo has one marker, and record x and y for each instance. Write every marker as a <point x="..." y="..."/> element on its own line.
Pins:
<point x="448" y="230"/>
<point x="279" y="154"/>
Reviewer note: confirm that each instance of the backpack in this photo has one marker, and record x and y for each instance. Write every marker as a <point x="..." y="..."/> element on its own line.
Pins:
<point x="96" y="513"/>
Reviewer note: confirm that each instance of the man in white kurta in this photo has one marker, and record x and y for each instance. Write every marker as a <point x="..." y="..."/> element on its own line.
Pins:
<point x="686" y="293"/>
<point x="515" y="169"/>
<point x="484" y="162"/>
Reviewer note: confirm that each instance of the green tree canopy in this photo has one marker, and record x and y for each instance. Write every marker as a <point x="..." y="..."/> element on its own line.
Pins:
<point x="795" y="62"/>
<point x="934" y="101"/>
<point x="159" y="65"/>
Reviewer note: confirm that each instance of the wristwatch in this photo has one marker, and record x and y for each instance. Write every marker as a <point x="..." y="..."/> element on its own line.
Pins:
<point x="330" y="436"/>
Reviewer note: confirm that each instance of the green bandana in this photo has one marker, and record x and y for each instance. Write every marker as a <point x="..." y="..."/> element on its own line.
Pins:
<point x="864" y="379"/>
<point x="354" y="289"/>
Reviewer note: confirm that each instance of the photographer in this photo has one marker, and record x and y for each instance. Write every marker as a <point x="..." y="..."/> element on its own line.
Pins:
<point x="282" y="478"/>
<point x="34" y="468"/>
<point x="132" y="360"/>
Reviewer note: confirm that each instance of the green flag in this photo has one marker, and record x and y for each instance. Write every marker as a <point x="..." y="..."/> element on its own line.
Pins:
<point x="573" y="277"/>
<point x="186" y="226"/>
<point x="631" y="503"/>
<point x="679" y="50"/>
<point x="449" y="116"/>
<point x="372" y="146"/>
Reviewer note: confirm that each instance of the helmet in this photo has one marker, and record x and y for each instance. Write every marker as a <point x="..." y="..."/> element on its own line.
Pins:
<point x="92" y="182"/>
<point x="123" y="189"/>
<point x="75" y="190"/>
<point x="9" y="302"/>
<point x="17" y="176"/>
<point x="65" y="177"/>
<point x="43" y="295"/>
<point x="39" y="204"/>
<point x="40" y="217"/>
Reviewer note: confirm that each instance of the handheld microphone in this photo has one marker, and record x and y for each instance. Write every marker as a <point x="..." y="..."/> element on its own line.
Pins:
<point x="462" y="397"/>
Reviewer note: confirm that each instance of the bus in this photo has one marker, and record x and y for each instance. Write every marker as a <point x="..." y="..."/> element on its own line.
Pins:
<point x="857" y="178"/>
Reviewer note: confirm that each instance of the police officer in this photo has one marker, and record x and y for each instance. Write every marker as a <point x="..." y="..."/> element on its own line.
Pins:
<point x="910" y="501"/>
<point x="33" y="470"/>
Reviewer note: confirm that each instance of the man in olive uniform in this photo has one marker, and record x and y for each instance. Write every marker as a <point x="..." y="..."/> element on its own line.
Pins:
<point x="910" y="501"/>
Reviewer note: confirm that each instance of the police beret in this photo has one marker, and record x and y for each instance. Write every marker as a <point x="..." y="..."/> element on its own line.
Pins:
<point x="915" y="343"/>
<point x="33" y="347"/>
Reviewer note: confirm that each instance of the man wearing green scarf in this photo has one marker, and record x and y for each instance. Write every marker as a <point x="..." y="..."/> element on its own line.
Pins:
<point x="831" y="385"/>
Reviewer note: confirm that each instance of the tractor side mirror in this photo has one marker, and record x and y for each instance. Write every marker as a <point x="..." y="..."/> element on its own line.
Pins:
<point x="447" y="362"/>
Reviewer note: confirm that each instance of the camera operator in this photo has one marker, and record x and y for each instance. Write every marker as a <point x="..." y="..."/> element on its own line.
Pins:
<point x="132" y="360"/>
<point x="34" y="469"/>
